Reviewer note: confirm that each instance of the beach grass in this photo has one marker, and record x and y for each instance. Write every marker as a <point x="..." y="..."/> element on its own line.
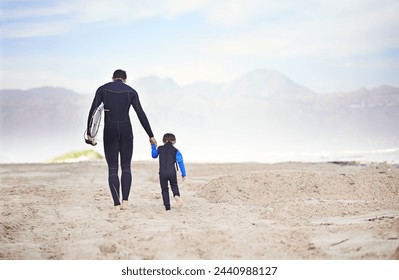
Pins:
<point x="76" y="156"/>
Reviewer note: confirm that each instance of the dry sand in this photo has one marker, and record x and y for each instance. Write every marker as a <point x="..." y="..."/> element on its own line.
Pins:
<point x="231" y="211"/>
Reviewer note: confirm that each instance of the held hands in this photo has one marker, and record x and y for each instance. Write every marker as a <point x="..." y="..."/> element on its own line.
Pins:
<point x="153" y="141"/>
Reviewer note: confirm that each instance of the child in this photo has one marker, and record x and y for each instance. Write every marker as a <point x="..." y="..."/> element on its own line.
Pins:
<point x="168" y="156"/>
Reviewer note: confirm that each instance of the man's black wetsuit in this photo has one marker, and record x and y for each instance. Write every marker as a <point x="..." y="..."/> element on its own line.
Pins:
<point x="118" y="134"/>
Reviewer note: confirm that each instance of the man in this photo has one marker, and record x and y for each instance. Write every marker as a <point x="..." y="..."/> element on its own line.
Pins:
<point x="118" y="134"/>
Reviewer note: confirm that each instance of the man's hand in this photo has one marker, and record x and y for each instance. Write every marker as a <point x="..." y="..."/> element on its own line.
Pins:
<point x="90" y="140"/>
<point x="153" y="141"/>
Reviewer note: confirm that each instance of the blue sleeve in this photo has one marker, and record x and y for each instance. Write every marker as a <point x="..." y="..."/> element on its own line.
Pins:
<point x="154" y="151"/>
<point x="180" y="162"/>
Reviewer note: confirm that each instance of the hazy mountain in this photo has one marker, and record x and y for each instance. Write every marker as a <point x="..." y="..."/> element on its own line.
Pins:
<point x="252" y="118"/>
<point x="37" y="122"/>
<point x="269" y="84"/>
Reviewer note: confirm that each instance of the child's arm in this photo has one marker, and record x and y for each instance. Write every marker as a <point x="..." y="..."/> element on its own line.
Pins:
<point x="180" y="162"/>
<point x="154" y="151"/>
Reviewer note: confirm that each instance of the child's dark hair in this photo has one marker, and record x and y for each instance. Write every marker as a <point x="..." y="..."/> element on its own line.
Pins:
<point x="168" y="137"/>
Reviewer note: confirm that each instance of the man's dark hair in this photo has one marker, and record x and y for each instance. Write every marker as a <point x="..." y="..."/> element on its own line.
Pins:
<point x="168" y="137"/>
<point x="120" y="74"/>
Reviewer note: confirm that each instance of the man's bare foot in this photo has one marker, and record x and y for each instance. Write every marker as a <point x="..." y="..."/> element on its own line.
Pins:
<point x="179" y="201"/>
<point x="117" y="207"/>
<point x="125" y="204"/>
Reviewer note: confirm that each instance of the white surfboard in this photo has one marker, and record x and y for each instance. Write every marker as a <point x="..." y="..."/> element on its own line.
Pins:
<point x="96" y="120"/>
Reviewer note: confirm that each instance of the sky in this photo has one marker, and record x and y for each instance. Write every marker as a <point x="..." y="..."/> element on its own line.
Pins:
<point x="327" y="46"/>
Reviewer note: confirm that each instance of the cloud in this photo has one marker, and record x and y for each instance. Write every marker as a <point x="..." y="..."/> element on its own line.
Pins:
<point x="34" y="29"/>
<point x="379" y="64"/>
<point x="21" y="19"/>
<point x="237" y="12"/>
<point x="25" y="12"/>
<point x="127" y="10"/>
<point x="326" y="31"/>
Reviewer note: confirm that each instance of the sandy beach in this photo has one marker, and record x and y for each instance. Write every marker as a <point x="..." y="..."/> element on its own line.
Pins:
<point x="250" y="211"/>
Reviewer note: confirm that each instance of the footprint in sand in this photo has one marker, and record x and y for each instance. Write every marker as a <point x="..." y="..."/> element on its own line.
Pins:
<point x="108" y="248"/>
<point x="124" y="227"/>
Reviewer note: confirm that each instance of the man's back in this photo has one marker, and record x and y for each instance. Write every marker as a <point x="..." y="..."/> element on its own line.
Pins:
<point x="117" y="98"/>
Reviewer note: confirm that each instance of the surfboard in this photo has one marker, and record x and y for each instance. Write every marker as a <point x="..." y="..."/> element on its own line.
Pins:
<point x="96" y="120"/>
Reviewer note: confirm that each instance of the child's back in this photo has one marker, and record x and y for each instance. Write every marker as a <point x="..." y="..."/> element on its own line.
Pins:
<point x="168" y="157"/>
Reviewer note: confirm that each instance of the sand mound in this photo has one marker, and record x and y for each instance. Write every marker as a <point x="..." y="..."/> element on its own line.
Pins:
<point x="358" y="184"/>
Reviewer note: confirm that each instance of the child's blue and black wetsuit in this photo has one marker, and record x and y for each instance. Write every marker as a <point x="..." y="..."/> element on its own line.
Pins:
<point x="118" y="134"/>
<point x="168" y="156"/>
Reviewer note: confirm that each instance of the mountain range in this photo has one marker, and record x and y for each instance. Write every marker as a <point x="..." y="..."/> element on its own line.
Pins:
<point x="255" y="117"/>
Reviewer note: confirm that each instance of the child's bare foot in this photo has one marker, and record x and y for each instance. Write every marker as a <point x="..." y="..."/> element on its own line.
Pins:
<point x="179" y="201"/>
<point x="125" y="204"/>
